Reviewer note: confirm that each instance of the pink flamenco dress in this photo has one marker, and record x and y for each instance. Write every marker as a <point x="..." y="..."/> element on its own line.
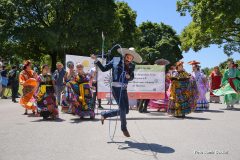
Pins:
<point x="161" y="104"/>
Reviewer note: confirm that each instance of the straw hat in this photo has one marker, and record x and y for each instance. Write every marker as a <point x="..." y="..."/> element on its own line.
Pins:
<point x="162" y="62"/>
<point x="131" y="51"/>
<point x="193" y="62"/>
<point x="179" y="63"/>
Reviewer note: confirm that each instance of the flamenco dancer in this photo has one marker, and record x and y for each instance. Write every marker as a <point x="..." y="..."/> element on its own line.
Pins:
<point x="68" y="93"/>
<point x="230" y="86"/>
<point x="82" y="101"/>
<point x="45" y="96"/>
<point x="202" y="84"/>
<point x="162" y="104"/>
<point x="215" y="82"/>
<point x="122" y="73"/>
<point x="183" y="93"/>
<point x="28" y="79"/>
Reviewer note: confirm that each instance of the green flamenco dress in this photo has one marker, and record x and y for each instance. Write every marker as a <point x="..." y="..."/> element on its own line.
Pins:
<point x="230" y="87"/>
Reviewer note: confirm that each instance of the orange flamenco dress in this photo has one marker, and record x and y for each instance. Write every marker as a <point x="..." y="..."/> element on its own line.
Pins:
<point x="28" y="81"/>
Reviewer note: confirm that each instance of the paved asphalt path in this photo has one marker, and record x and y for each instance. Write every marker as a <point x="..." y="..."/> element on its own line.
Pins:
<point x="211" y="135"/>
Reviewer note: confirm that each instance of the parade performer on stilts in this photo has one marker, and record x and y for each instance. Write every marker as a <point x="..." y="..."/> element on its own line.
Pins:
<point x="122" y="73"/>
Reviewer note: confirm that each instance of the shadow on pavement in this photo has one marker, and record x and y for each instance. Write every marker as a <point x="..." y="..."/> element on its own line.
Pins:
<point x="156" y="113"/>
<point x="214" y="111"/>
<point x="49" y="120"/>
<point x="163" y="118"/>
<point x="33" y="115"/>
<point x="234" y="109"/>
<point x="80" y="120"/>
<point x="150" y="118"/>
<point x="153" y="147"/>
<point x="196" y="118"/>
<point x="197" y="111"/>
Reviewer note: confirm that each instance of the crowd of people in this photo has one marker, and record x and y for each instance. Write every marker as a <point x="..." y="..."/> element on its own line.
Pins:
<point x="76" y="91"/>
<point x="187" y="92"/>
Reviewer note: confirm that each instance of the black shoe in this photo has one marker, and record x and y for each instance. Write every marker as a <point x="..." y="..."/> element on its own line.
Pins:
<point x="14" y="101"/>
<point x="126" y="133"/>
<point x="102" y="120"/>
<point x="4" y="97"/>
<point x="100" y="107"/>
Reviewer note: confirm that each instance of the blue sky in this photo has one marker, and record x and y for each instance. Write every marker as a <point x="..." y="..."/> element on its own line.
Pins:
<point x="165" y="11"/>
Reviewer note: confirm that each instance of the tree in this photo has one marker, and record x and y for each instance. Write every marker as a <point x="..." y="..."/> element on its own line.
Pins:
<point x="129" y="31"/>
<point x="214" y="22"/>
<point x="53" y="27"/>
<point x="159" y="41"/>
<point x="207" y="71"/>
<point x="222" y="66"/>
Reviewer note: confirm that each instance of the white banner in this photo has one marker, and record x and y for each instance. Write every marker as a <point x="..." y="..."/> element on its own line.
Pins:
<point x="149" y="81"/>
<point x="87" y="62"/>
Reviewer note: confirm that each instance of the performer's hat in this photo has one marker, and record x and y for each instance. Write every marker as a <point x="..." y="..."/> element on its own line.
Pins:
<point x="26" y="63"/>
<point x="162" y="62"/>
<point x="179" y="63"/>
<point x="70" y="63"/>
<point x="193" y="62"/>
<point x="136" y="57"/>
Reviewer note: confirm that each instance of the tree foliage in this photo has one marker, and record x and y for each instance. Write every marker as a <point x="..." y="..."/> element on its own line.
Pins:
<point x="222" y="66"/>
<point x="53" y="27"/>
<point x="129" y="32"/>
<point x="159" y="41"/>
<point x="213" y="22"/>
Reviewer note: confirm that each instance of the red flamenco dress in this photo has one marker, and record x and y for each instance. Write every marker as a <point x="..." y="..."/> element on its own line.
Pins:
<point x="215" y="83"/>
